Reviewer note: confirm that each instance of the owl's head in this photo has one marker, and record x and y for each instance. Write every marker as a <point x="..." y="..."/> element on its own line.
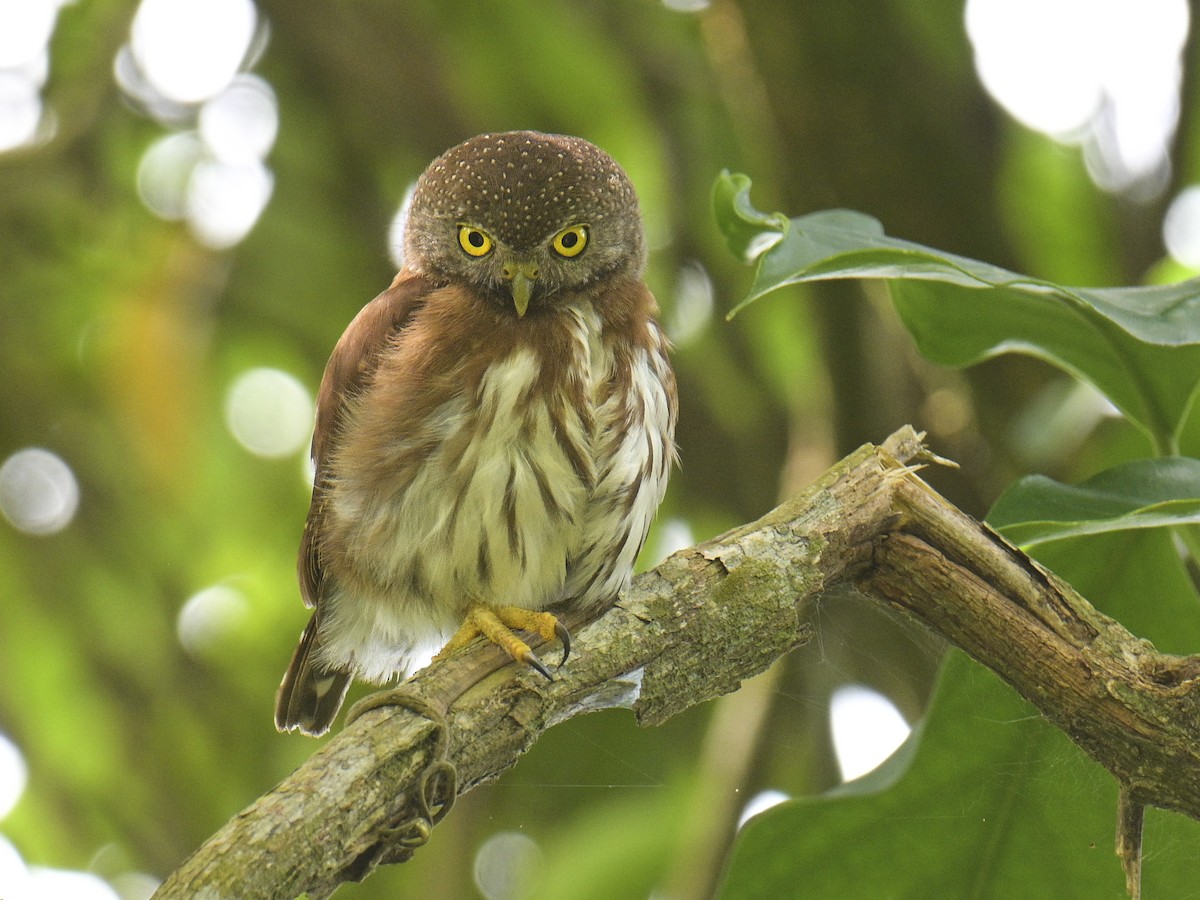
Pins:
<point x="524" y="215"/>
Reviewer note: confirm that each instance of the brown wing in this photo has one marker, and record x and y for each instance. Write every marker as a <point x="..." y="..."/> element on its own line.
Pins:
<point x="350" y="366"/>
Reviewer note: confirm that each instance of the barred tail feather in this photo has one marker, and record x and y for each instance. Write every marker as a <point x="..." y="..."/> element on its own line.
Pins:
<point x="311" y="694"/>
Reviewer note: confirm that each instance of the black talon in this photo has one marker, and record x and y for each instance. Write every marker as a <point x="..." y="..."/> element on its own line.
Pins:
<point x="564" y="638"/>
<point x="533" y="662"/>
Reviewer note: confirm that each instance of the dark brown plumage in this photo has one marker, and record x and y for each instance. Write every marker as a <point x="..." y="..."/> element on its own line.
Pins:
<point x="495" y="430"/>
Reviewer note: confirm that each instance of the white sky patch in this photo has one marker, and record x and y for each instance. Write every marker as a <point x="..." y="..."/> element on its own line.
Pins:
<point x="761" y="802"/>
<point x="64" y="884"/>
<point x="20" y="110"/>
<point x="21" y="882"/>
<point x="14" y="877"/>
<point x="14" y="775"/>
<point x="866" y="727"/>
<point x="396" y="229"/>
<point x="25" y="30"/>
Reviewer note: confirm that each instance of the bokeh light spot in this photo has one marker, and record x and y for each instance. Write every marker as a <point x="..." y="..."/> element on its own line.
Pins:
<point x="190" y="50"/>
<point x="239" y="125"/>
<point x="225" y="200"/>
<point x="209" y="617"/>
<point x="506" y="866"/>
<point x="674" y="534"/>
<point x="866" y="728"/>
<point x="165" y="172"/>
<point x="181" y="177"/>
<point x="693" y="305"/>
<point x="135" y="885"/>
<point x="38" y="491"/>
<point x="25" y="31"/>
<point x="1036" y="58"/>
<point x="183" y="66"/>
<point x="269" y="412"/>
<point x="1181" y="227"/>
<point x="1103" y="74"/>
<point x="947" y="410"/>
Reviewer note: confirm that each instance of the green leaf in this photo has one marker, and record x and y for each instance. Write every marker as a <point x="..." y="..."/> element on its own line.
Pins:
<point x="978" y="814"/>
<point x="1136" y="577"/>
<point x="1152" y="384"/>
<point x="740" y="223"/>
<point x="1140" y="346"/>
<point x="1144" y="493"/>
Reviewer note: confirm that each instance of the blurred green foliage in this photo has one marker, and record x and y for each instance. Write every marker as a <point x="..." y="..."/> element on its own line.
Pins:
<point x="120" y="336"/>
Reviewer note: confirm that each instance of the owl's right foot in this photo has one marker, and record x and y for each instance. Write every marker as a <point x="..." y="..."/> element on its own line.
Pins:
<point x="497" y="623"/>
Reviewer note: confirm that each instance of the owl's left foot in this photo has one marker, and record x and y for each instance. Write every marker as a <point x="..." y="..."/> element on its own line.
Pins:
<point x="497" y="623"/>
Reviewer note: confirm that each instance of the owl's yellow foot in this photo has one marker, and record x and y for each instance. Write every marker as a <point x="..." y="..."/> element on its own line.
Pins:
<point x="496" y="623"/>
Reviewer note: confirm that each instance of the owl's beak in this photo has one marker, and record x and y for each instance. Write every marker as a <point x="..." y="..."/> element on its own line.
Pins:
<point x="520" y="277"/>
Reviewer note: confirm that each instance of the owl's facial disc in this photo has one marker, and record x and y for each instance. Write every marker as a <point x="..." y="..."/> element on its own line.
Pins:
<point x="519" y="274"/>
<point x="522" y="273"/>
<point x="555" y="203"/>
<point x="518" y="271"/>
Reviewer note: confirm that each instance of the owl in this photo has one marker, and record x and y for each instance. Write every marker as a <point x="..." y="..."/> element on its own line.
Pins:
<point x="494" y="432"/>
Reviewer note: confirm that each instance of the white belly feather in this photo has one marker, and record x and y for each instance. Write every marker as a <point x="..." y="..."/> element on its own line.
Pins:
<point x="453" y="524"/>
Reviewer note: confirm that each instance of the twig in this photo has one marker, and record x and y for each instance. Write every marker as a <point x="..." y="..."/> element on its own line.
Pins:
<point x="1130" y="817"/>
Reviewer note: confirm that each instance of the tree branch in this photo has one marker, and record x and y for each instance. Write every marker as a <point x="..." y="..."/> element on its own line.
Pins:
<point x="694" y="628"/>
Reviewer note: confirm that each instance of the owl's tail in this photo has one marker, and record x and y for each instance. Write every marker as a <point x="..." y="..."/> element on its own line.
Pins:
<point x="311" y="693"/>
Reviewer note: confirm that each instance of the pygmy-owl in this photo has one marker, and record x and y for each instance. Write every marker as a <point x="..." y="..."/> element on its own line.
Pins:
<point x="494" y="431"/>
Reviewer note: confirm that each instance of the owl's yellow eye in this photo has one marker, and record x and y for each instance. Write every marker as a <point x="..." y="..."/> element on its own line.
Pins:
<point x="570" y="241"/>
<point x="474" y="241"/>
